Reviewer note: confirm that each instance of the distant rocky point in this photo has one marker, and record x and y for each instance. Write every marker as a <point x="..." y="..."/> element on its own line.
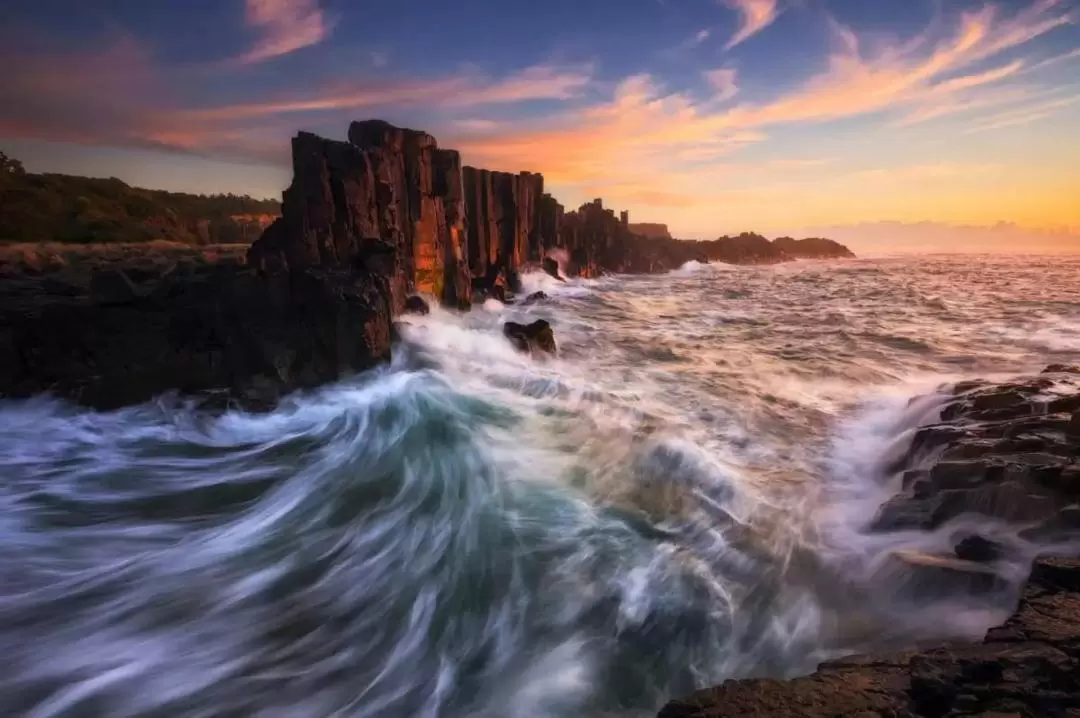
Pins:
<point x="651" y="230"/>
<point x="813" y="248"/>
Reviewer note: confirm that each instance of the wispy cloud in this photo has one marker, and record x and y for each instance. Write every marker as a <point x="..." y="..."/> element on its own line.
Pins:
<point x="284" y="26"/>
<point x="539" y="82"/>
<point x="754" y="16"/>
<point x="668" y="146"/>
<point x="1073" y="54"/>
<point x="1025" y="115"/>
<point x="724" y="81"/>
<point x="644" y="130"/>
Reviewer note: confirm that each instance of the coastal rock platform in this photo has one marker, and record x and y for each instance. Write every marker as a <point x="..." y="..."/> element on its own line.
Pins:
<point x="1008" y="452"/>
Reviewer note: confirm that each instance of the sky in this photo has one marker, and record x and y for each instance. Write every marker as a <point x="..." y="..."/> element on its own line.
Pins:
<point x="712" y="116"/>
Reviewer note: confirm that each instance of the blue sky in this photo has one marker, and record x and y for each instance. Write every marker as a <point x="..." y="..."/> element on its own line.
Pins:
<point x="710" y="115"/>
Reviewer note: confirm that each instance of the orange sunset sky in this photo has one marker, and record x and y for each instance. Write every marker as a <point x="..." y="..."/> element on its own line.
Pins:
<point x="886" y="121"/>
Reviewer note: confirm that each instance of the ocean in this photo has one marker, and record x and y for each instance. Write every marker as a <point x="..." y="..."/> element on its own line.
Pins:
<point x="680" y="497"/>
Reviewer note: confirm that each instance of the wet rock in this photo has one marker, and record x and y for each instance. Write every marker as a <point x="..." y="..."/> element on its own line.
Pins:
<point x="978" y="549"/>
<point x="998" y="400"/>
<point x="552" y="268"/>
<point x="923" y="576"/>
<point x="1000" y="451"/>
<point x="416" y="305"/>
<point x="1072" y="429"/>
<point x="534" y="298"/>
<point x="902" y="513"/>
<point x="1030" y="666"/>
<point x="1009" y="501"/>
<point x="947" y="474"/>
<point x="1065" y="404"/>
<point x="531" y="338"/>
<point x="1062" y="369"/>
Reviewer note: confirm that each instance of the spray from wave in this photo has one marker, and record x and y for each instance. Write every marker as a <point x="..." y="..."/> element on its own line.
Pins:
<point x="468" y="532"/>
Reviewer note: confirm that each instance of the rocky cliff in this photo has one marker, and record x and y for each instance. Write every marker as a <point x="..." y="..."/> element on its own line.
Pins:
<point x="384" y="186"/>
<point x="505" y="228"/>
<point x="364" y="223"/>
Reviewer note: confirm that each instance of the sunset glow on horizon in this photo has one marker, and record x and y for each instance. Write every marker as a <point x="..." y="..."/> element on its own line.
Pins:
<point x="711" y="116"/>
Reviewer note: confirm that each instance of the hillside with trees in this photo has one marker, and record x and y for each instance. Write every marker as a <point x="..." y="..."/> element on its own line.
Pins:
<point x="67" y="208"/>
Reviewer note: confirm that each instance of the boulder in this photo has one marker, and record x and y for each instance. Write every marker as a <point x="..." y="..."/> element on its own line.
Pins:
<point x="537" y="337"/>
<point x="978" y="549"/>
<point x="551" y="267"/>
<point x="416" y="305"/>
<point x="534" y="298"/>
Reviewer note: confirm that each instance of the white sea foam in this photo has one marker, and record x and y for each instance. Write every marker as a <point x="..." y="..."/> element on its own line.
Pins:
<point x="680" y="497"/>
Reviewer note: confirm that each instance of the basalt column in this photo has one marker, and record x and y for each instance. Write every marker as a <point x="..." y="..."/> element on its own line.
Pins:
<point x="504" y="224"/>
<point x="421" y="186"/>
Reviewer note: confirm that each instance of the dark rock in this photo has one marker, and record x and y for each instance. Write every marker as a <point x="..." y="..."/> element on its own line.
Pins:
<point x="1064" y="404"/>
<point x="1000" y="451"/>
<point x="1028" y="667"/>
<point x="229" y="330"/>
<point x="112" y="286"/>
<point x="964" y="474"/>
<point x="416" y="305"/>
<point x="978" y="549"/>
<point x="998" y="400"/>
<point x="1009" y="501"/>
<point x="552" y="268"/>
<point x="1062" y="369"/>
<point x="531" y="338"/>
<point x="812" y="248"/>
<point x="534" y="298"/>
<point x="903" y="513"/>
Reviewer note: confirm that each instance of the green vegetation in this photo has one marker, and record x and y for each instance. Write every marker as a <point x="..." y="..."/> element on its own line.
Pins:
<point x="66" y="208"/>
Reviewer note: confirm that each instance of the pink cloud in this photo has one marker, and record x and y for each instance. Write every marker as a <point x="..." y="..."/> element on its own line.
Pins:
<point x="284" y="26"/>
<point x="723" y="81"/>
<point x="754" y="16"/>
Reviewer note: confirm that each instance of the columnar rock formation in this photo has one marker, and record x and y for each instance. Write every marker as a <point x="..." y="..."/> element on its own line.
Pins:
<point x="504" y="223"/>
<point x="386" y="185"/>
<point x="455" y="229"/>
<point x="364" y="223"/>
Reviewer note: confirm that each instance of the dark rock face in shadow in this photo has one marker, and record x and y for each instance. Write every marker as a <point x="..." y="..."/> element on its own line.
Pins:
<point x="253" y="336"/>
